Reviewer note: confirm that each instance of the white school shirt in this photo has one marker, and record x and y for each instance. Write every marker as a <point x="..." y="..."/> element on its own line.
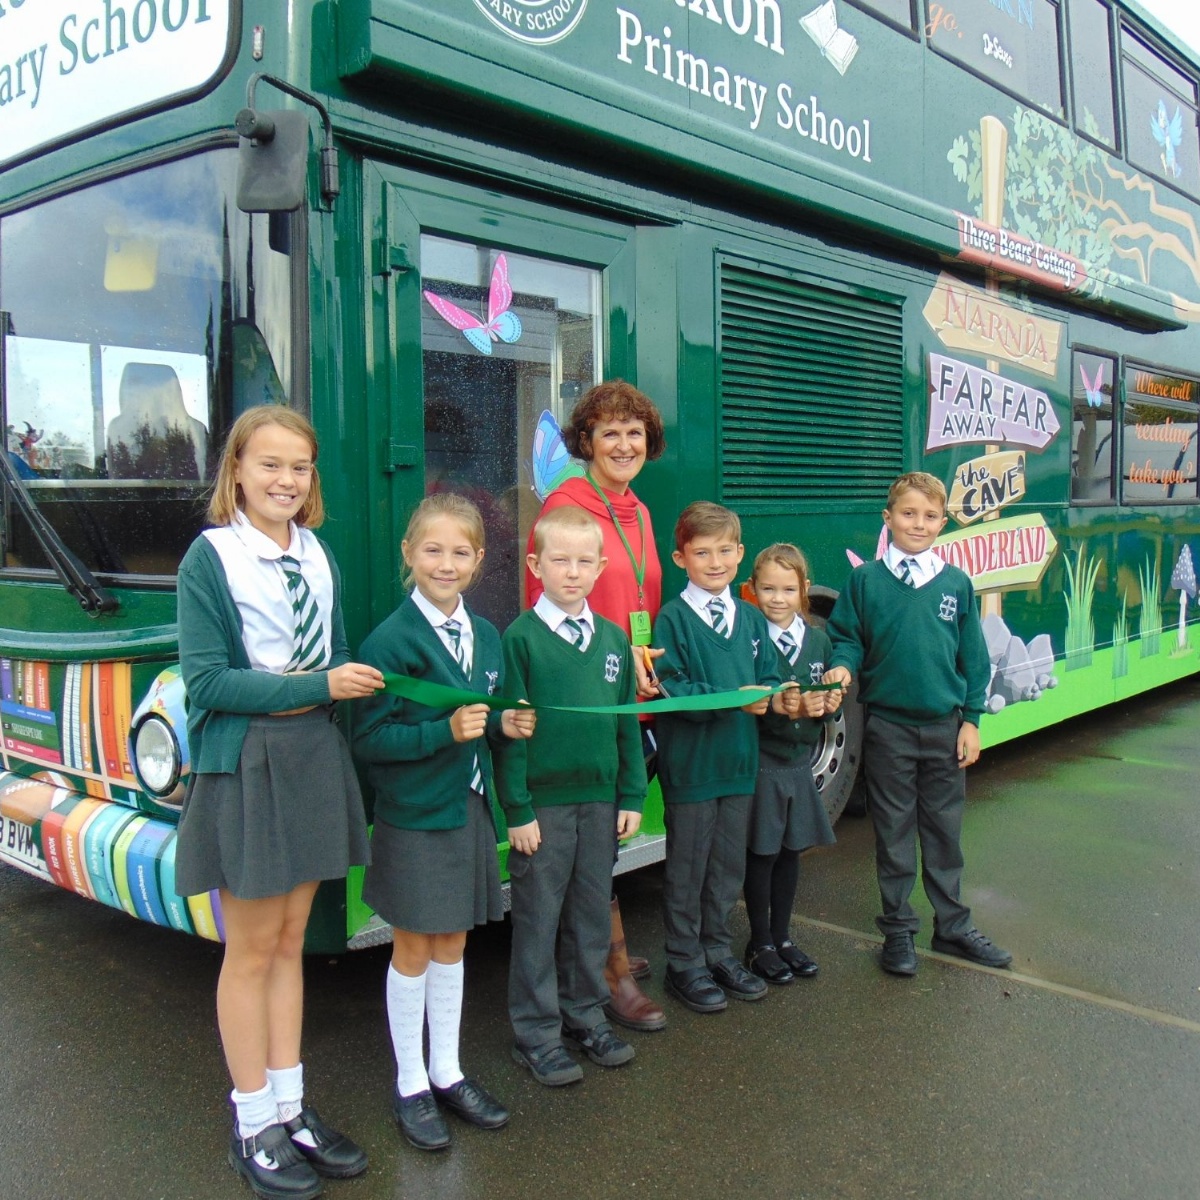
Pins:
<point x="927" y="565"/>
<point x="699" y="600"/>
<point x="556" y="619"/>
<point x="438" y="619"/>
<point x="259" y="588"/>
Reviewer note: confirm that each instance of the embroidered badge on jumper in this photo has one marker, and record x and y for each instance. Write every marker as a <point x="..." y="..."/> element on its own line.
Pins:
<point x="754" y="645"/>
<point x="493" y="678"/>
<point x="949" y="608"/>
<point x="612" y="668"/>
<point x="815" y="671"/>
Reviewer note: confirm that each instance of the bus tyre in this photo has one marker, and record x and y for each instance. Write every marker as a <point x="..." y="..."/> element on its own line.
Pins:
<point x="837" y="756"/>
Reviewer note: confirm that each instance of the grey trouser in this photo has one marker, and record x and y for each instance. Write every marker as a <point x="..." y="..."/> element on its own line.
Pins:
<point x="561" y="893"/>
<point x="706" y="864"/>
<point x="916" y="789"/>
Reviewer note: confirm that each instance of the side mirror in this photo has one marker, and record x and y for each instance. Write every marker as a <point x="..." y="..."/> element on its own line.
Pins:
<point x="272" y="160"/>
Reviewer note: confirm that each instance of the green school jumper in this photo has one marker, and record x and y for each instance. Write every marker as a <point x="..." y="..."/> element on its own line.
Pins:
<point x="572" y="758"/>
<point x="420" y="775"/>
<point x="704" y="755"/>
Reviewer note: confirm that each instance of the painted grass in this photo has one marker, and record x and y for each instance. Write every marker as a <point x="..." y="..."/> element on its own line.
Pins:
<point x="1081" y="629"/>
<point x="1120" y="646"/>
<point x="1150" y="618"/>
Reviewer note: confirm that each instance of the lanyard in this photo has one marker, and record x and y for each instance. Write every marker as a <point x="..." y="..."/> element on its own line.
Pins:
<point x="639" y="569"/>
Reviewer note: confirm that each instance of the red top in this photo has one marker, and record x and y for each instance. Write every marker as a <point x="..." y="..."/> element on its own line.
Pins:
<point x="615" y="595"/>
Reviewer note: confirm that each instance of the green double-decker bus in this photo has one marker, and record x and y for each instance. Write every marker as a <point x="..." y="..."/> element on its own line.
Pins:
<point x="833" y="239"/>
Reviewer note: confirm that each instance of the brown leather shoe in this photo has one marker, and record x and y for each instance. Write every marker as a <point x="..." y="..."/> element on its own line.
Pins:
<point x="628" y="1005"/>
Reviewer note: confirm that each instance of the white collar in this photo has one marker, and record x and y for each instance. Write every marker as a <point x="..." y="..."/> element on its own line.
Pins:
<point x="259" y="544"/>
<point x="699" y="598"/>
<point x="924" y="560"/>
<point x="796" y="629"/>
<point x="435" y="616"/>
<point x="555" y="616"/>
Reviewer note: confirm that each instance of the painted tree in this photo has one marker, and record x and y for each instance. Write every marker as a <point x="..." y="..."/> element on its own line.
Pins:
<point x="1184" y="578"/>
<point x="1068" y="193"/>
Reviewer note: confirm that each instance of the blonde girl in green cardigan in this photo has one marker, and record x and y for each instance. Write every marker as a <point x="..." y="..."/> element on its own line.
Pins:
<point x="273" y="806"/>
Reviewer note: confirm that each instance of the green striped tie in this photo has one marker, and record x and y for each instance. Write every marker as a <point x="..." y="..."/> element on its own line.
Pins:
<point x="575" y="629"/>
<point x="309" y="652"/>
<point x="787" y="644"/>
<point x="454" y="632"/>
<point x="716" y="610"/>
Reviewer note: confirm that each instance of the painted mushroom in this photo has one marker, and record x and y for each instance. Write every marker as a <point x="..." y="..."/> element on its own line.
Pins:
<point x="1184" y="578"/>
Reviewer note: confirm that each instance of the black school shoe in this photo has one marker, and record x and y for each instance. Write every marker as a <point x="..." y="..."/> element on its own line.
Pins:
<point x="736" y="981"/>
<point x="898" y="956"/>
<point x="420" y="1121"/>
<point x="974" y="946"/>
<point x="800" y="964"/>
<point x="695" y="988"/>
<point x="287" y="1175"/>
<point x="334" y="1155"/>
<point x="601" y="1045"/>
<point x="472" y="1102"/>
<point x="767" y="963"/>
<point x="550" y="1064"/>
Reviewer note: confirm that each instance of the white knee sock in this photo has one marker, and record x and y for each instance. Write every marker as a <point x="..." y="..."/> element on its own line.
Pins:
<point x="255" y="1110"/>
<point x="443" y="1007"/>
<point x="288" y="1085"/>
<point x="406" y="1019"/>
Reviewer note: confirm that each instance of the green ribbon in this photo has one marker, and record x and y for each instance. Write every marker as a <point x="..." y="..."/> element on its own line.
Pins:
<point x="437" y="695"/>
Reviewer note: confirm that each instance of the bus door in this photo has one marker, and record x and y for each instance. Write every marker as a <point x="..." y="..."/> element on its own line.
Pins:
<point x="488" y="318"/>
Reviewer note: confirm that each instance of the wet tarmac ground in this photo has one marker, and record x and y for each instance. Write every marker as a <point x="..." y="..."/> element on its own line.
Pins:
<point x="1077" y="1074"/>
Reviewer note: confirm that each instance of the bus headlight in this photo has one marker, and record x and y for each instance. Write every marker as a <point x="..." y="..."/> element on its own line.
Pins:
<point x="156" y="758"/>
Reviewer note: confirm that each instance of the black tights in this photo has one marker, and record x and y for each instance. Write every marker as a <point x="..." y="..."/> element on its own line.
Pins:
<point x="770" y="891"/>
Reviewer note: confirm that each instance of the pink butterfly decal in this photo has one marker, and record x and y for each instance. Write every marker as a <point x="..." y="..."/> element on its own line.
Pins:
<point x="1095" y="387"/>
<point x="502" y="325"/>
<point x="880" y="549"/>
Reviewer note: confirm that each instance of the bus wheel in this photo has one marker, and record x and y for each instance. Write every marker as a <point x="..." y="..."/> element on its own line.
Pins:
<point x="837" y="754"/>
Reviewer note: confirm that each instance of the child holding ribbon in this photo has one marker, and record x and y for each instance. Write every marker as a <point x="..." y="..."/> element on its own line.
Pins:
<point x="273" y="806"/>
<point x="579" y="780"/>
<point x="786" y="814"/>
<point x="434" y="871"/>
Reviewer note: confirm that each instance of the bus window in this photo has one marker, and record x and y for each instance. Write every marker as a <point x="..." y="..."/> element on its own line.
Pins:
<point x="1015" y="45"/>
<point x="1093" y="378"/>
<point x="505" y="338"/>
<point x="1091" y="70"/>
<point x="115" y="403"/>
<point x="1161" y="133"/>
<point x="1161" y="418"/>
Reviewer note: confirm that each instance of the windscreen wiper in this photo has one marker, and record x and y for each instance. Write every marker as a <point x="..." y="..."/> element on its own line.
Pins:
<point x="75" y="577"/>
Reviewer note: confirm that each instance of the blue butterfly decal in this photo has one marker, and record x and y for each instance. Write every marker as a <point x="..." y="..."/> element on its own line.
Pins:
<point x="1168" y="134"/>
<point x="552" y="465"/>
<point x="1095" y="387"/>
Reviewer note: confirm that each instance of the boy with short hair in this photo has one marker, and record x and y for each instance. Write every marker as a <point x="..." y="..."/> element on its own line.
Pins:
<point x="562" y="791"/>
<point x="907" y="625"/>
<point x="708" y="761"/>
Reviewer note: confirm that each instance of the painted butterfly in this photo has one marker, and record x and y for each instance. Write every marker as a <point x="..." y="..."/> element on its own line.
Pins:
<point x="552" y="464"/>
<point x="1094" y="387"/>
<point x="502" y="325"/>
<point x="880" y="549"/>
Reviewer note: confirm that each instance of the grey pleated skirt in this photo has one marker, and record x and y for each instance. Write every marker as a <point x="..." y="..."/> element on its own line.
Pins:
<point x="291" y="814"/>
<point x="436" y="880"/>
<point x="786" y="812"/>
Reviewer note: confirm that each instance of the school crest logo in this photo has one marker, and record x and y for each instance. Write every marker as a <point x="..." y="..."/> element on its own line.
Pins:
<point x="815" y="671"/>
<point x="949" y="608"/>
<point x="535" y="22"/>
<point x="493" y="678"/>
<point x="612" y="668"/>
<point x="754" y="646"/>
